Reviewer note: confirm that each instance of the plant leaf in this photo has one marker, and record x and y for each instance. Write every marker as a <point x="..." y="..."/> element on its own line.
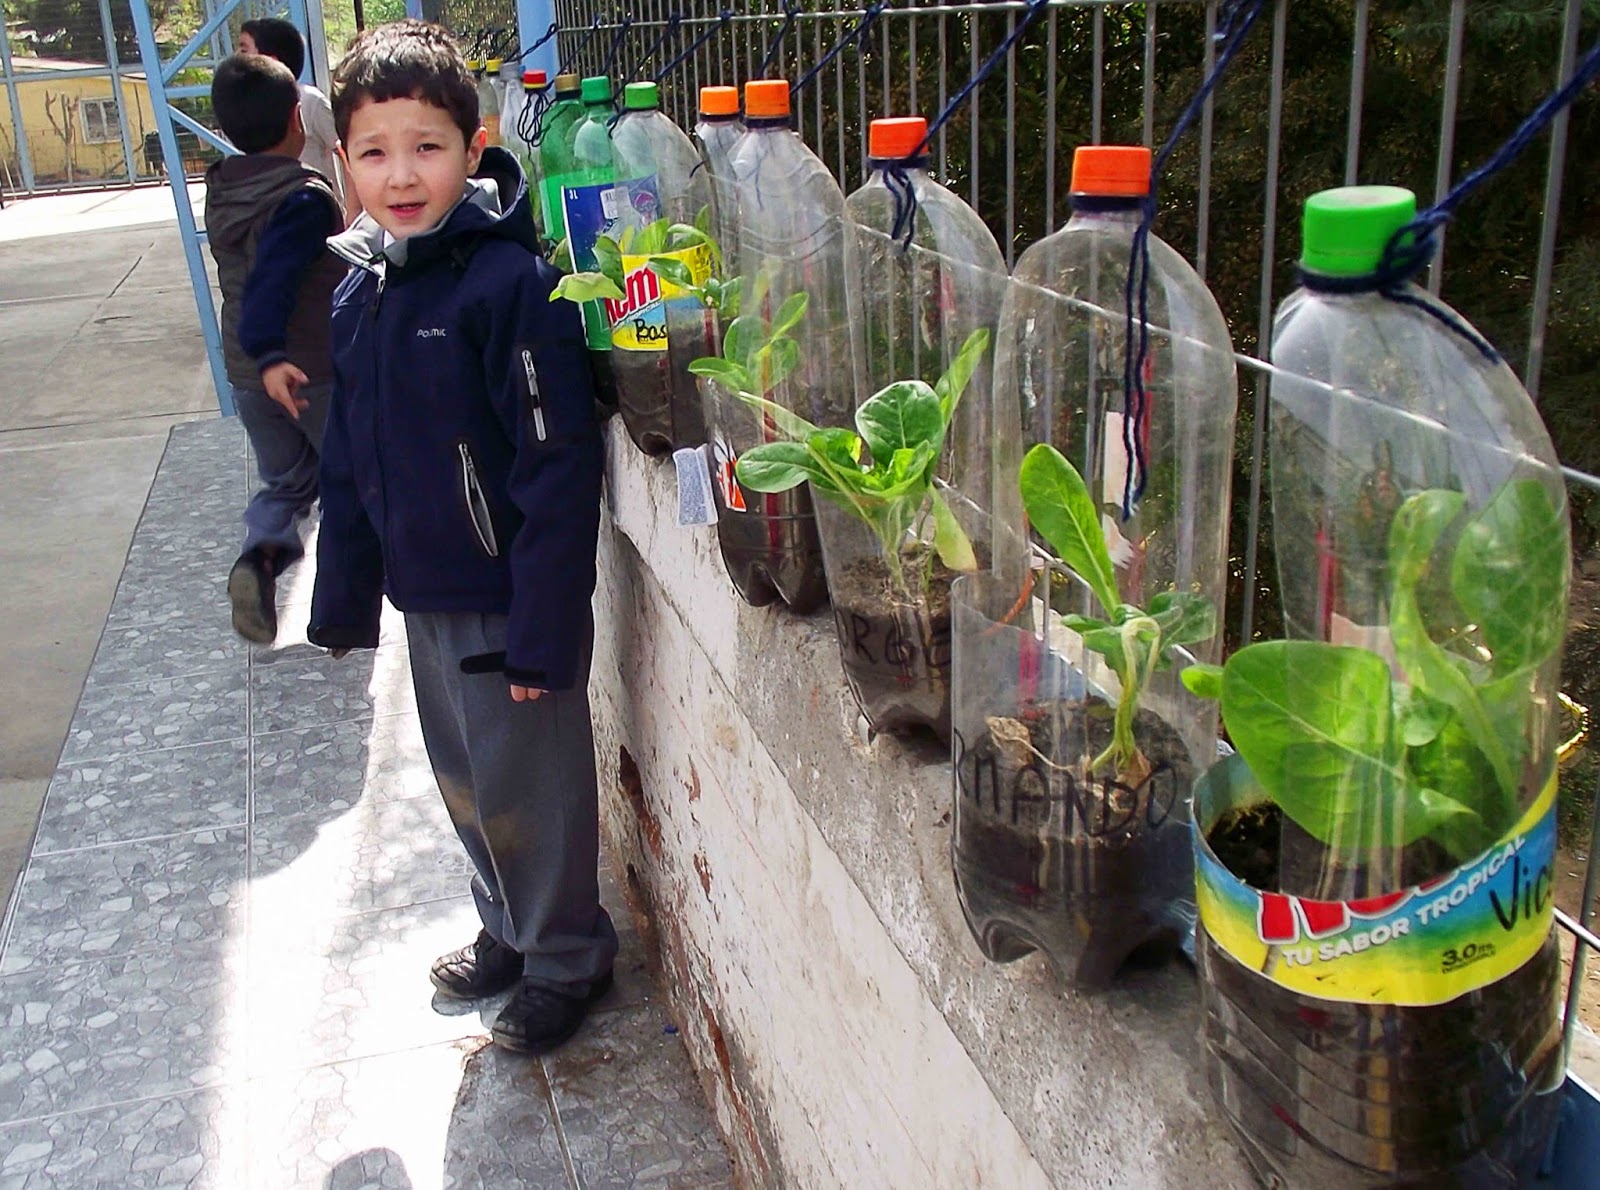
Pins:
<point x="777" y="361"/>
<point x="1202" y="680"/>
<point x="586" y="287"/>
<point x="1315" y="724"/>
<point x="953" y="383"/>
<point x="608" y="260"/>
<point x="740" y="341"/>
<point x="1061" y="509"/>
<point x="899" y="417"/>
<point x="1186" y="618"/>
<point x="950" y="541"/>
<point x="791" y="425"/>
<point x="777" y="467"/>
<point x="1510" y="575"/>
<point x="790" y="314"/>
<point x="724" y="371"/>
<point x="671" y="270"/>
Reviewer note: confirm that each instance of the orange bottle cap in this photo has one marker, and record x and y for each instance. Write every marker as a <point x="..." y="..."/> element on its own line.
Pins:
<point x="896" y="139"/>
<point x="719" y="101"/>
<point x="766" y="99"/>
<point x="1111" y="171"/>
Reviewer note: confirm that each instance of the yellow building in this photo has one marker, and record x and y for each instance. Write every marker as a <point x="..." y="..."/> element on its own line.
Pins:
<point x="71" y="126"/>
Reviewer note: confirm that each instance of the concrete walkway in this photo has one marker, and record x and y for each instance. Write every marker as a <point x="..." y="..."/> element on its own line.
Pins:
<point x="100" y="352"/>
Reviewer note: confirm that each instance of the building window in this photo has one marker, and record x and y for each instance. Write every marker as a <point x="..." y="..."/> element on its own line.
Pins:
<point x="99" y="120"/>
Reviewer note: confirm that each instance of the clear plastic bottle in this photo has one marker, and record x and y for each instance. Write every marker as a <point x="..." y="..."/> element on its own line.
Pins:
<point x="660" y="328"/>
<point x="1420" y="523"/>
<point x="793" y="238"/>
<point x="554" y="130"/>
<point x="717" y="131"/>
<point x="1071" y="830"/>
<point x="521" y="124"/>
<point x="490" y="99"/>
<point x="930" y="275"/>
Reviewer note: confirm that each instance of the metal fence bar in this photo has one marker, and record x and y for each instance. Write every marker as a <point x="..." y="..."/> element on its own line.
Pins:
<point x="1554" y="175"/>
<point x="1050" y="124"/>
<point x="1447" y="130"/>
<point x="1202" y="215"/>
<point x="110" y="35"/>
<point x="1097" y="99"/>
<point x="1358" y="89"/>
<point x="1149" y="74"/>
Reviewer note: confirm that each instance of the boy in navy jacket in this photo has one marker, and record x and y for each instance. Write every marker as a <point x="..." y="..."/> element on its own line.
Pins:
<point x="268" y="219"/>
<point x="461" y="475"/>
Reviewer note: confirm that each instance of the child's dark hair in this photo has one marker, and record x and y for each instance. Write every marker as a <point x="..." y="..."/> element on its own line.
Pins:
<point x="254" y="98"/>
<point x="406" y="60"/>
<point x="277" y="38"/>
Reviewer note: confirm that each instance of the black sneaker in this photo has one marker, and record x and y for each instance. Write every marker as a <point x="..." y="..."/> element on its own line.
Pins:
<point x="539" y="1019"/>
<point x="255" y="603"/>
<point x="486" y="968"/>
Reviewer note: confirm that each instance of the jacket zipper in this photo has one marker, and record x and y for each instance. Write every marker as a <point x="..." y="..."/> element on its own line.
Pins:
<point x="535" y="398"/>
<point x="477" y="506"/>
<point x="378" y="420"/>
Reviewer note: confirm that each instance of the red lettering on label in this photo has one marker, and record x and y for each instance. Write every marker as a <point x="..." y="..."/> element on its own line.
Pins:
<point x="640" y="288"/>
<point x="1282" y="919"/>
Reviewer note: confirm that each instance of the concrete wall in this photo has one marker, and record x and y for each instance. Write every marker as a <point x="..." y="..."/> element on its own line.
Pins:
<point x="795" y="877"/>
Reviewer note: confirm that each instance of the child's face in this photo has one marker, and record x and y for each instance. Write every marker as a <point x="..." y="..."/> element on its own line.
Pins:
<point x="409" y="163"/>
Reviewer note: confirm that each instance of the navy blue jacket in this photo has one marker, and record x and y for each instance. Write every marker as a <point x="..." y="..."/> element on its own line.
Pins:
<point x="461" y="468"/>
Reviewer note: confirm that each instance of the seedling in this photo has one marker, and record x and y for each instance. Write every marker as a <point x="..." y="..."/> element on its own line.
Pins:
<point x="1135" y="642"/>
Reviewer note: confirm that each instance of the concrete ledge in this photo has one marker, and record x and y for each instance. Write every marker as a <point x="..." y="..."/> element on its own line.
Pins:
<point x="797" y="880"/>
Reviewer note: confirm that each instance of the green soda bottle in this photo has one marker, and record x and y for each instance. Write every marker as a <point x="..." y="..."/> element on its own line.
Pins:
<point x="554" y="129"/>
<point x="581" y="169"/>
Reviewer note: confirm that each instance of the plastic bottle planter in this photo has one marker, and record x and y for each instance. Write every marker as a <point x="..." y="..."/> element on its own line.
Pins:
<point x="794" y="241"/>
<point x="657" y="320"/>
<point x="1379" y="971"/>
<point x="931" y="278"/>
<point x="1075" y="742"/>
<point x="883" y="512"/>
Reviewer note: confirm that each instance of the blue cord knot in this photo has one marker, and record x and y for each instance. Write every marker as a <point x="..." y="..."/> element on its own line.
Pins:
<point x="897" y="177"/>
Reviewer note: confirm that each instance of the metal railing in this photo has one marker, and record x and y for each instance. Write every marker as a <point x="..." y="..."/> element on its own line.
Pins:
<point x="1113" y="70"/>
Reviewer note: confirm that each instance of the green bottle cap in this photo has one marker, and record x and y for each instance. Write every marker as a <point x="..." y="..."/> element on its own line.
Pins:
<point x="1345" y="230"/>
<point x="641" y="97"/>
<point x="597" y="89"/>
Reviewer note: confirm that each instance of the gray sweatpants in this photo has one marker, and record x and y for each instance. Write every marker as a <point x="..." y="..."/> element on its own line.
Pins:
<point x="518" y="779"/>
<point x="287" y="453"/>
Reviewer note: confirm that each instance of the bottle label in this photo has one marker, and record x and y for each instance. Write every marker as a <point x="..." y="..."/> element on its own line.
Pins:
<point x="695" y="506"/>
<point x="724" y="461"/>
<point x="598" y="209"/>
<point x="1423" y="945"/>
<point x="639" y="321"/>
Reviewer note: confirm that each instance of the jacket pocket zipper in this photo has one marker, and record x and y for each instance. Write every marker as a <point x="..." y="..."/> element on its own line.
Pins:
<point x="477" y="506"/>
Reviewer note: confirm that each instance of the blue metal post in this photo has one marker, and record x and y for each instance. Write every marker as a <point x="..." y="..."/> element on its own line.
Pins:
<point x="158" y="76"/>
<point x="414" y="10"/>
<point x="533" y="18"/>
<point x="109" y="33"/>
<point x="24" y="158"/>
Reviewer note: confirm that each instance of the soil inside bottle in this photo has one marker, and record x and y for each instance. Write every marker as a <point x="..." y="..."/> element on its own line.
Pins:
<point x="1343" y="1096"/>
<point x="895" y="645"/>
<point x="658" y="396"/>
<point x="1083" y="867"/>
<point x="771" y="549"/>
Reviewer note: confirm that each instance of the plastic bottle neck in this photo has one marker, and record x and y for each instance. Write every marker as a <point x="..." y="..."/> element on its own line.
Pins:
<point x="726" y="119"/>
<point x="1107" y="207"/>
<point x="769" y="124"/>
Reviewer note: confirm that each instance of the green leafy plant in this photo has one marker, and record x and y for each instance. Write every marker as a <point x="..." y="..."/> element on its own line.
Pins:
<point x="1365" y="761"/>
<point x="608" y="278"/>
<point x="1135" y="642"/>
<point x="883" y="472"/>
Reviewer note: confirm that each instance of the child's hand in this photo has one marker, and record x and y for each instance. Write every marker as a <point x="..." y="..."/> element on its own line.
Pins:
<point x="283" y="381"/>
<point x="525" y="693"/>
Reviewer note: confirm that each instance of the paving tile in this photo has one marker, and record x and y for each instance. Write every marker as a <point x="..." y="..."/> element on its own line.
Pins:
<point x="145" y="652"/>
<point x="160" y="713"/>
<point x="355" y="987"/>
<point x="320" y="769"/>
<point x="156" y="895"/>
<point x="181" y="1141"/>
<point x="294" y="617"/>
<point x="462" y="1115"/>
<point x="631" y="1108"/>
<point x="320" y="690"/>
<point x="149" y="793"/>
<point x="84" y="1035"/>
<point x="375" y="855"/>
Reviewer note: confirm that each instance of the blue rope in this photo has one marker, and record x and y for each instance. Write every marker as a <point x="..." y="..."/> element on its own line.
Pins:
<point x="1031" y="14"/>
<point x="548" y="34"/>
<point x="673" y="21"/>
<point x="791" y="10"/>
<point x="1235" y="20"/>
<point x="571" y="59"/>
<point x="872" y="13"/>
<point x="1414" y="246"/>
<point x="616" y="45"/>
<point x="723" y="17"/>
<point x="897" y="178"/>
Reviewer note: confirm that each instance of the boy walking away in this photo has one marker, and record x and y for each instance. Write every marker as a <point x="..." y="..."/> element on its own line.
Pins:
<point x="461" y="476"/>
<point x="274" y="37"/>
<point x="267" y="221"/>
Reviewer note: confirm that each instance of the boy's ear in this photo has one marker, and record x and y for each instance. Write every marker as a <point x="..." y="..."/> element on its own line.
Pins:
<point x="475" y="147"/>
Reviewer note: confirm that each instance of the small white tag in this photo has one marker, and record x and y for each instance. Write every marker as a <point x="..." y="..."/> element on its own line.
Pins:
<point x="695" y="506"/>
<point x="611" y="201"/>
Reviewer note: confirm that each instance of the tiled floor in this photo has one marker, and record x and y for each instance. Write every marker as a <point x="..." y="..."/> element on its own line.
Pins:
<point x="214" y="973"/>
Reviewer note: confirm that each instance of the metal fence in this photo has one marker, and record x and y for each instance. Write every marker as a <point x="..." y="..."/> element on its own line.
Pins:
<point x="1325" y="93"/>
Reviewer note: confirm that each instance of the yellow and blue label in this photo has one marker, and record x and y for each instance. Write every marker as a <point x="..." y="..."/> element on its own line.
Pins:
<point x="639" y="321"/>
